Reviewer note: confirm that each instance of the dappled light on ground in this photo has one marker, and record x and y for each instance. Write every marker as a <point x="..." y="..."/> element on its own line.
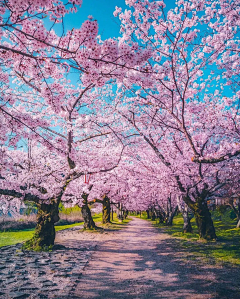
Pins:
<point x="141" y="262"/>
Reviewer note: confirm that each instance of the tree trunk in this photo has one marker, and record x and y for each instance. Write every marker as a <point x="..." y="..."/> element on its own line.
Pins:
<point x="148" y="216"/>
<point x="153" y="215"/>
<point x="238" y="224"/>
<point x="161" y="218"/>
<point x="87" y="217"/>
<point x="44" y="234"/>
<point x="183" y="208"/>
<point x="238" y="214"/>
<point x="119" y="212"/>
<point x="236" y="211"/>
<point x="171" y="215"/>
<point x="187" y="226"/>
<point x="106" y="210"/>
<point x="204" y="220"/>
<point x="203" y="217"/>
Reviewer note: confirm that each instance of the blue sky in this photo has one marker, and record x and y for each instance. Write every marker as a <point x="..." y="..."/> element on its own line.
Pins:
<point x="102" y="11"/>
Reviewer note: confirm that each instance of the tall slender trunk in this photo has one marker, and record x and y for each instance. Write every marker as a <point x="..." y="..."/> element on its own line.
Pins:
<point x="44" y="235"/>
<point x="106" y="211"/>
<point x="112" y="213"/>
<point x="119" y="212"/>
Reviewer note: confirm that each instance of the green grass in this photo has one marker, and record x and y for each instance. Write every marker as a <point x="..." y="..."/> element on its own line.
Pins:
<point x="62" y="227"/>
<point x="11" y="238"/>
<point x="225" y="250"/>
<point x="143" y="215"/>
<point x="68" y="211"/>
<point x="14" y="237"/>
<point x="115" y="224"/>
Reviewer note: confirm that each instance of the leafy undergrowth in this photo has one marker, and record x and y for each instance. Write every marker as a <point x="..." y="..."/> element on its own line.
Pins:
<point x="225" y="250"/>
<point x="14" y="237"/>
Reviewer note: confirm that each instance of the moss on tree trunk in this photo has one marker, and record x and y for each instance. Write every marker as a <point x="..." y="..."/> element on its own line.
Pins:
<point x="106" y="210"/>
<point x="202" y="216"/>
<point x="204" y="221"/>
<point x="44" y="235"/>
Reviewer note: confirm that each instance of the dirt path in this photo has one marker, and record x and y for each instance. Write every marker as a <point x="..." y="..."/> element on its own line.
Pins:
<point x="140" y="262"/>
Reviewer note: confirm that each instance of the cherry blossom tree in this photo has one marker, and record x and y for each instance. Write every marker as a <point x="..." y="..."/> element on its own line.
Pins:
<point x="38" y="103"/>
<point x="70" y="135"/>
<point x="177" y="102"/>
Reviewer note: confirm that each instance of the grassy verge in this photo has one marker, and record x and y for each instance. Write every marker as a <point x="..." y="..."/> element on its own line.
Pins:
<point x="20" y="236"/>
<point x="14" y="237"/>
<point x="115" y="224"/>
<point x="226" y="250"/>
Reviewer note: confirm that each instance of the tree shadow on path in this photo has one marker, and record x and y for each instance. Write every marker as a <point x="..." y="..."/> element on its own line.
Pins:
<point x="139" y="264"/>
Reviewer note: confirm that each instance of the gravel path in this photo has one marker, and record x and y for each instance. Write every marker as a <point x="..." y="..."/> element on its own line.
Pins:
<point x="141" y="262"/>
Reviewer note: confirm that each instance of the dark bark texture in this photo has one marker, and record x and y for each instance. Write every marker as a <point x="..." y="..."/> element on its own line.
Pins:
<point x="106" y="211"/>
<point x="148" y="216"/>
<point x="236" y="209"/>
<point x="187" y="216"/>
<point x="238" y="224"/>
<point x="87" y="217"/>
<point x="204" y="221"/>
<point x="86" y="213"/>
<point x="44" y="234"/>
<point x="171" y="214"/>
<point x="187" y="226"/>
<point x="125" y="214"/>
<point x="153" y="214"/>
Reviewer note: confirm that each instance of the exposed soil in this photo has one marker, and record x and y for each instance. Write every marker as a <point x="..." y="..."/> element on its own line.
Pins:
<point x="141" y="262"/>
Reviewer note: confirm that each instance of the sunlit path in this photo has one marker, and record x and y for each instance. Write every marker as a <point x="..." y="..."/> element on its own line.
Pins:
<point x="140" y="262"/>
